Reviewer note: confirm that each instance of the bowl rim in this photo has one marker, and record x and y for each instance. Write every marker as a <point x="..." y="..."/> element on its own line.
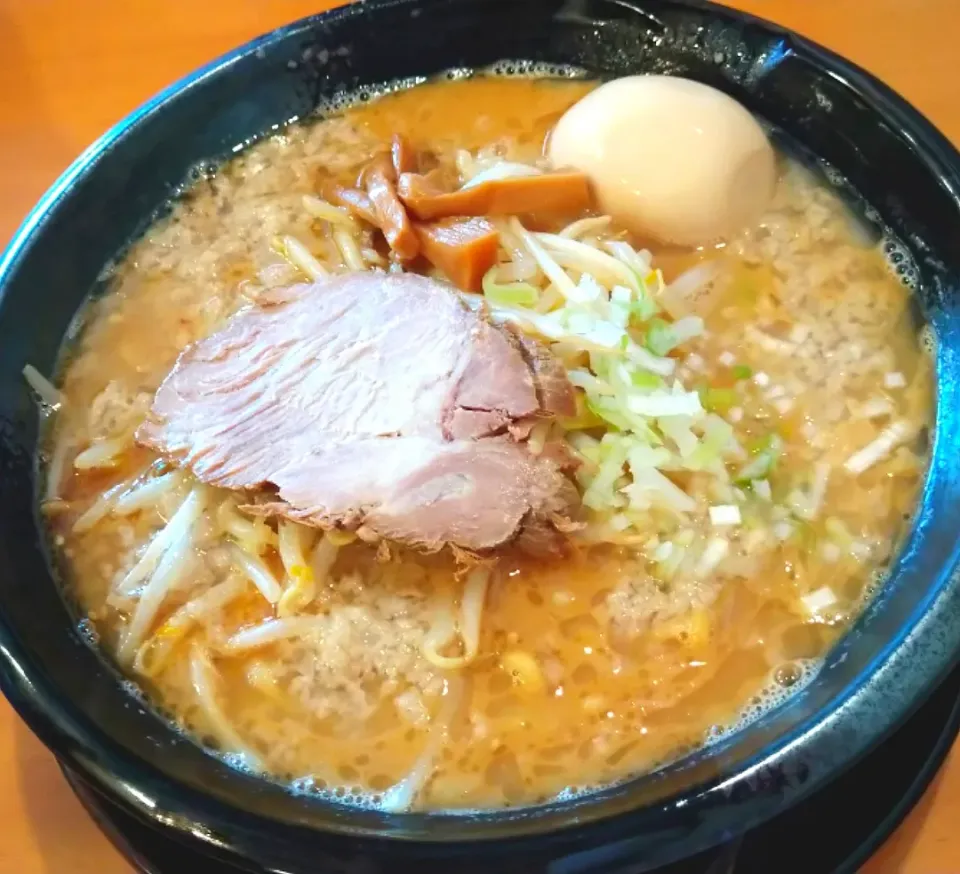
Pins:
<point x="82" y="743"/>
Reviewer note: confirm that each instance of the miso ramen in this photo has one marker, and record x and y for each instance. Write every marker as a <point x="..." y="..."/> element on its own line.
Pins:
<point x="746" y="441"/>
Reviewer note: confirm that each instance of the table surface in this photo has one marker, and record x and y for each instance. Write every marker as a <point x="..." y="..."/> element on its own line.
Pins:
<point x="71" y="68"/>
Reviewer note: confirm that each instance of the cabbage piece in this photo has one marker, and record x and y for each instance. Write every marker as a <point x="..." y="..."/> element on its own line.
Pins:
<point x="764" y="461"/>
<point x="520" y="294"/>
<point x="597" y="303"/>
<point x="663" y="336"/>
<point x="650" y="487"/>
<point x="718" y="441"/>
<point x="612" y="456"/>
<point x="657" y="404"/>
<point x="677" y="429"/>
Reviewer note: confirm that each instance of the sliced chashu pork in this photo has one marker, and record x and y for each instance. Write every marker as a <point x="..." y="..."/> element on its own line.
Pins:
<point x="371" y="401"/>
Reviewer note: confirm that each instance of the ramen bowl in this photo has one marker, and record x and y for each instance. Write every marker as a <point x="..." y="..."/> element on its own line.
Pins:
<point x="103" y="729"/>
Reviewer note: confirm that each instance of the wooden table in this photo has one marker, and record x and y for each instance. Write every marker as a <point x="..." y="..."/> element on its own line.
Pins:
<point x="71" y="68"/>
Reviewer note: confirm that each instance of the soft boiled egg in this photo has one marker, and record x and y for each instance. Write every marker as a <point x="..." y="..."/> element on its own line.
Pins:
<point x="669" y="158"/>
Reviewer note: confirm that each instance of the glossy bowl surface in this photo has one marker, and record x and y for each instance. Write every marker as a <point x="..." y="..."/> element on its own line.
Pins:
<point x="898" y="651"/>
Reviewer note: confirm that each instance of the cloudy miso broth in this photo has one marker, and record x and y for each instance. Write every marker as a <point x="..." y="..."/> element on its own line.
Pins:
<point x="387" y="675"/>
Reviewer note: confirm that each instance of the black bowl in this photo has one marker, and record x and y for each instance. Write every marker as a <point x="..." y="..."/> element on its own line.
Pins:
<point x="900" y="648"/>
